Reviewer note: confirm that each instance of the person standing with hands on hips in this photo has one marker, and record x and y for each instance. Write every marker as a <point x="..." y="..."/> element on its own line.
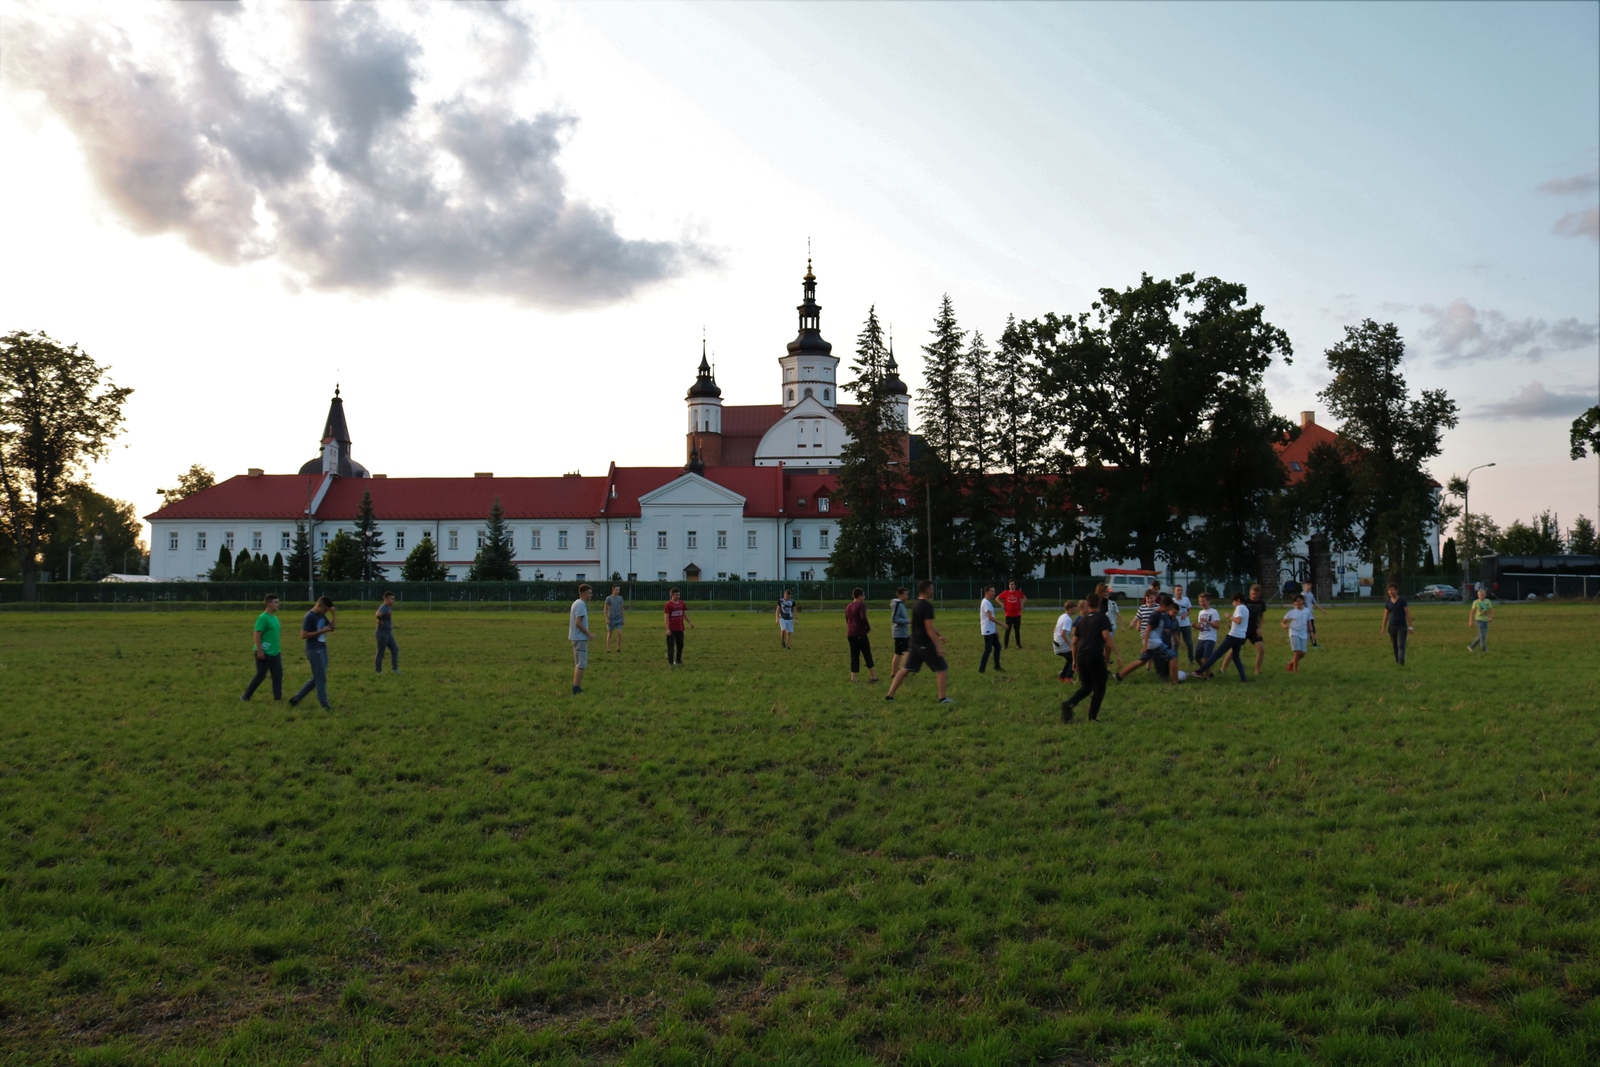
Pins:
<point x="385" y="617"/>
<point x="1013" y="600"/>
<point x="314" y="631"/>
<point x="269" y="658"/>
<point x="1397" y="620"/>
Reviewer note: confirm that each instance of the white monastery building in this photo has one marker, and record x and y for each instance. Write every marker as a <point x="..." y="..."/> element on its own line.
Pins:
<point x="754" y="499"/>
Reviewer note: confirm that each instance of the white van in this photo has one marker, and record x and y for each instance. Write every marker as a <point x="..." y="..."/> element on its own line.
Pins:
<point x="1131" y="584"/>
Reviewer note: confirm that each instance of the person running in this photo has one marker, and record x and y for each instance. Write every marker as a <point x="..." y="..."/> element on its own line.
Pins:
<point x="1258" y="612"/>
<point x="856" y="628"/>
<point x="1479" y="613"/>
<point x="1185" y="628"/>
<point x="1397" y="620"/>
<point x="385" y="635"/>
<point x="614" y="605"/>
<point x="1311" y="606"/>
<point x="927" y="646"/>
<point x="314" y="631"/>
<point x="1147" y="610"/>
<point x="899" y="628"/>
<point x="990" y="630"/>
<point x="1158" y="651"/>
<point x="1093" y="648"/>
<point x="677" y="615"/>
<point x="1061" y="640"/>
<point x="1238" y="631"/>
<point x="784" y="613"/>
<point x="578" y="634"/>
<point x="268" y="636"/>
<point x="1012" y="600"/>
<point x="1297" y="621"/>
<point x="1210" y="620"/>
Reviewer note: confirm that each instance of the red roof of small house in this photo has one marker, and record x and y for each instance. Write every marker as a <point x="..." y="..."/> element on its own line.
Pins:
<point x="1295" y="453"/>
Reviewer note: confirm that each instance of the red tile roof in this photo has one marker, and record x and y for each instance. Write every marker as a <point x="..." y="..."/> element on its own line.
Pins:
<point x="285" y="496"/>
<point x="1294" y="453"/>
<point x="749" y="420"/>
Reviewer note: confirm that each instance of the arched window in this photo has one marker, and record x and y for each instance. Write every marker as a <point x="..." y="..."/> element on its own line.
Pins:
<point x="808" y="391"/>
<point x="791" y="396"/>
<point x="825" y="394"/>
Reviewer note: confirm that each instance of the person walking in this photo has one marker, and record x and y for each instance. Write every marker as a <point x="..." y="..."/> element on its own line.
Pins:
<point x="1012" y="601"/>
<point x="1185" y="629"/>
<point x="677" y="616"/>
<point x="856" y="628"/>
<point x="578" y="634"/>
<point x="1061" y="640"/>
<point x="1108" y="605"/>
<point x="1479" y="613"/>
<point x="385" y="635"/>
<point x="927" y="646"/>
<point x="784" y="613"/>
<point x="1397" y="620"/>
<point x="614" y="605"/>
<point x="1297" y="620"/>
<point x="1311" y="606"/>
<point x="314" y="631"/>
<point x="269" y="650"/>
<point x="1210" y="623"/>
<point x="990" y="630"/>
<point x="899" y="628"/>
<point x="1258" y="611"/>
<point x="1238" y="631"/>
<point x="1093" y="650"/>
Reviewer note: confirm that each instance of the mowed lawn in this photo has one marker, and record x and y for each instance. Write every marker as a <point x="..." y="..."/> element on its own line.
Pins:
<point x="751" y="860"/>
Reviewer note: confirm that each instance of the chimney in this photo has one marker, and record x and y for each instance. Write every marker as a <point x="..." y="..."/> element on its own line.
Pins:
<point x="1308" y="418"/>
<point x="483" y="474"/>
<point x="253" y="472"/>
<point x="380" y="476"/>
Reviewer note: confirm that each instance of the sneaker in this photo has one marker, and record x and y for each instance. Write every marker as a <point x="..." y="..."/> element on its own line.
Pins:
<point x="1472" y="648"/>
<point x="244" y="700"/>
<point x="294" y="702"/>
<point x="946" y="700"/>
<point x="327" y="707"/>
<point x="577" y="689"/>
<point x="1066" y="711"/>
<point x="888" y="697"/>
<point x="395" y="671"/>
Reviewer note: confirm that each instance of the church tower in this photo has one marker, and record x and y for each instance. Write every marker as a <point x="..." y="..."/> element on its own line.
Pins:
<point x="810" y="369"/>
<point x="899" y="395"/>
<point x="705" y="415"/>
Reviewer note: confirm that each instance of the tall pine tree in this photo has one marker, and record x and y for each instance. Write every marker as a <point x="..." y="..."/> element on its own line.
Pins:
<point x="369" y="542"/>
<point x="297" y="567"/>
<point x="980" y="534"/>
<point x="494" y="561"/>
<point x="936" y="492"/>
<point x="872" y="471"/>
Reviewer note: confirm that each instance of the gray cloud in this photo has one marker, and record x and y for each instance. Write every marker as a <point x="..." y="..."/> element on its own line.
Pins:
<point x="1574" y="186"/>
<point x="333" y="164"/>
<point x="1534" y="401"/>
<point x="1460" y="333"/>
<point x="1584" y="222"/>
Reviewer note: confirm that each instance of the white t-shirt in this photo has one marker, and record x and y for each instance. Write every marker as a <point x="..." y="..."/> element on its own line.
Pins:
<point x="1063" y="633"/>
<point x="1297" y="621"/>
<point x="1210" y="623"/>
<point x="1311" y="600"/>
<point x="1112" y="611"/>
<point x="986" y="617"/>
<point x="1240" y="624"/>
<point x="580" y="612"/>
<point x="1183" y="610"/>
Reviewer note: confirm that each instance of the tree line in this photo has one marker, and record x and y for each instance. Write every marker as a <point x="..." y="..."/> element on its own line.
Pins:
<point x="1136" y="428"/>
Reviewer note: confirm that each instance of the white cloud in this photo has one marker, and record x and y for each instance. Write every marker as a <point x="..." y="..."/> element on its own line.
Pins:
<point x="1461" y="333"/>
<point x="1534" y="401"/>
<point x="1584" y="222"/>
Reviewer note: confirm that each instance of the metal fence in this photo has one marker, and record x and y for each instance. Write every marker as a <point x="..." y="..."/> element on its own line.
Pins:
<point x="536" y="595"/>
<point x="1546" y="586"/>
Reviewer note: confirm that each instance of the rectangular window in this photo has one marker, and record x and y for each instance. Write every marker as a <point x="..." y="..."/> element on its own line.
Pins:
<point x="795" y="541"/>
<point x="722" y="576"/>
<point x="324" y="538"/>
<point x="722" y="538"/>
<point x="227" y="539"/>
<point x="661" y="542"/>
<point x="255" y="540"/>
<point x="822" y="503"/>
<point x="172" y="540"/>
<point x="399" y="540"/>
<point x="661" y="576"/>
<point x="749" y="539"/>
<point x="751" y="576"/>
<point x="692" y="540"/>
<point x="536" y="537"/>
<point x="588" y="539"/>
<point x="822" y="537"/>
<point x="633" y="538"/>
<point x="285" y="540"/>
<point x="561" y="539"/>
<point x="455" y="539"/>
<point x="482" y="537"/>
<point x="581" y="576"/>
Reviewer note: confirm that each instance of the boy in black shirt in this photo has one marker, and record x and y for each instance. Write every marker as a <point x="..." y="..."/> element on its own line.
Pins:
<point x="927" y="646"/>
<point x="1093" y="649"/>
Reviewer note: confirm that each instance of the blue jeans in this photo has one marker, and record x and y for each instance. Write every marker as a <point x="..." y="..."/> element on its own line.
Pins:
<point x="272" y="665"/>
<point x="317" y="656"/>
<point x="991" y="643"/>
<point x="1233" y="643"/>
<point x="1483" y="637"/>
<point x="386" y="641"/>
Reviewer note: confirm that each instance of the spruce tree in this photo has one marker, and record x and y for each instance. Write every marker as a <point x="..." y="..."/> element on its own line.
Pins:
<point x="277" y="567"/>
<point x="869" y="486"/>
<point x="369" y="543"/>
<point x="341" y="560"/>
<point x="223" y="570"/>
<point x="95" y="568"/>
<point x="1581" y="538"/>
<point x="297" y="568"/>
<point x="494" y="561"/>
<point x="241" y="565"/>
<point x="936" y="494"/>
<point x="974" y="461"/>
<point x="423" y="565"/>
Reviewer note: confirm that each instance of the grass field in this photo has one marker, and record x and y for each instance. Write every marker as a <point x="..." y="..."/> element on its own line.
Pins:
<point x="751" y="860"/>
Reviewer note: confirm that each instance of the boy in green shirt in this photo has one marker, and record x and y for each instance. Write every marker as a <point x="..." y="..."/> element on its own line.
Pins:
<point x="269" y="652"/>
<point x="1481" y="613"/>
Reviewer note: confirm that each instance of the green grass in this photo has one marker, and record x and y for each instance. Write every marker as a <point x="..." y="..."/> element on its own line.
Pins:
<point x="750" y="860"/>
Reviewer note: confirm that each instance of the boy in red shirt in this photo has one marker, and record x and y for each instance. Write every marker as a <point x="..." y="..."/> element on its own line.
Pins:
<point x="856" y="628"/>
<point x="677" y="613"/>
<point x="1012" y="600"/>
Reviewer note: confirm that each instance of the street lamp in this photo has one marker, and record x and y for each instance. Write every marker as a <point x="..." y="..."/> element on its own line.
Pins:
<point x="627" y="528"/>
<point x="1466" y="514"/>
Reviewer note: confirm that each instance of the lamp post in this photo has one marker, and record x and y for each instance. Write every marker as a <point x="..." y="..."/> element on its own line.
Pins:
<point x="1466" y="515"/>
<point x="627" y="529"/>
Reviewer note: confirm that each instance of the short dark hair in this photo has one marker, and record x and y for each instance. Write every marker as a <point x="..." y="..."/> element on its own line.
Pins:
<point x="989" y="588"/>
<point x="1239" y="597"/>
<point x="1093" y="600"/>
<point x="325" y="602"/>
<point x="269" y="598"/>
<point x="1164" y="599"/>
<point x="386" y="594"/>
<point x="672" y="592"/>
<point x="585" y="588"/>
<point x="925" y="586"/>
<point x="857" y="591"/>
<point x="900" y="590"/>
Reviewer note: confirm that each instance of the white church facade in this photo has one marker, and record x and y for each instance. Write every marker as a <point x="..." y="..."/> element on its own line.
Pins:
<point x="754" y="499"/>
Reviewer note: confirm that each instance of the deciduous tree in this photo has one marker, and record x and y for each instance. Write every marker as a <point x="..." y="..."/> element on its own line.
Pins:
<point x="190" y="482"/>
<point x="1541" y="537"/>
<point x="341" y="560"/>
<point x="1581" y="538"/>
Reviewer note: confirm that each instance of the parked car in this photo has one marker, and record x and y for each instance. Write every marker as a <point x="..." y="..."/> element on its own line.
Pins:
<point x="1438" y="592"/>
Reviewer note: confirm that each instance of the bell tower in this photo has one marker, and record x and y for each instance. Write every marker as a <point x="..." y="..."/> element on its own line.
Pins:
<point x="810" y="368"/>
<point x="705" y="415"/>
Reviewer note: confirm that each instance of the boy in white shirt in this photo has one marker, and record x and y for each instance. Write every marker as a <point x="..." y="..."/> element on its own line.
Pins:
<point x="1062" y="638"/>
<point x="1210" y="620"/>
<point x="1295" y="620"/>
<point x="1311" y="606"/>
<point x="990" y="631"/>
<point x="1185" y="627"/>
<point x="578" y="634"/>
<point x="1238" y="637"/>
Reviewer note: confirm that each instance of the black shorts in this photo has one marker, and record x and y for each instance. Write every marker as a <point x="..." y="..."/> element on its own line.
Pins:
<point x="1255" y="639"/>
<point x="902" y="645"/>
<point x="920" y="656"/>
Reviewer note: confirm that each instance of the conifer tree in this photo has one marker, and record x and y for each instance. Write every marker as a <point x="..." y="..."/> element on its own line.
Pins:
<point x="1581" y="538"/>
<point x="423" y="565"/>
<point x="936" y="495"/>
<point x="369" y="542"/>
<point x="241" y="565"/>
<point x="223" y="570"/>
<point x="974" y="463"/>
<point x="277" y="567"/>
<point x="95" y="568"/>
<point x="494" y="561"/>
<point x="871" y="471"/>
<point x="297" y="567"/>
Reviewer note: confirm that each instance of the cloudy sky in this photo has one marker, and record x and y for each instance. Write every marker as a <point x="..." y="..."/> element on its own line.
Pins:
<point x="502" y="228"/>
